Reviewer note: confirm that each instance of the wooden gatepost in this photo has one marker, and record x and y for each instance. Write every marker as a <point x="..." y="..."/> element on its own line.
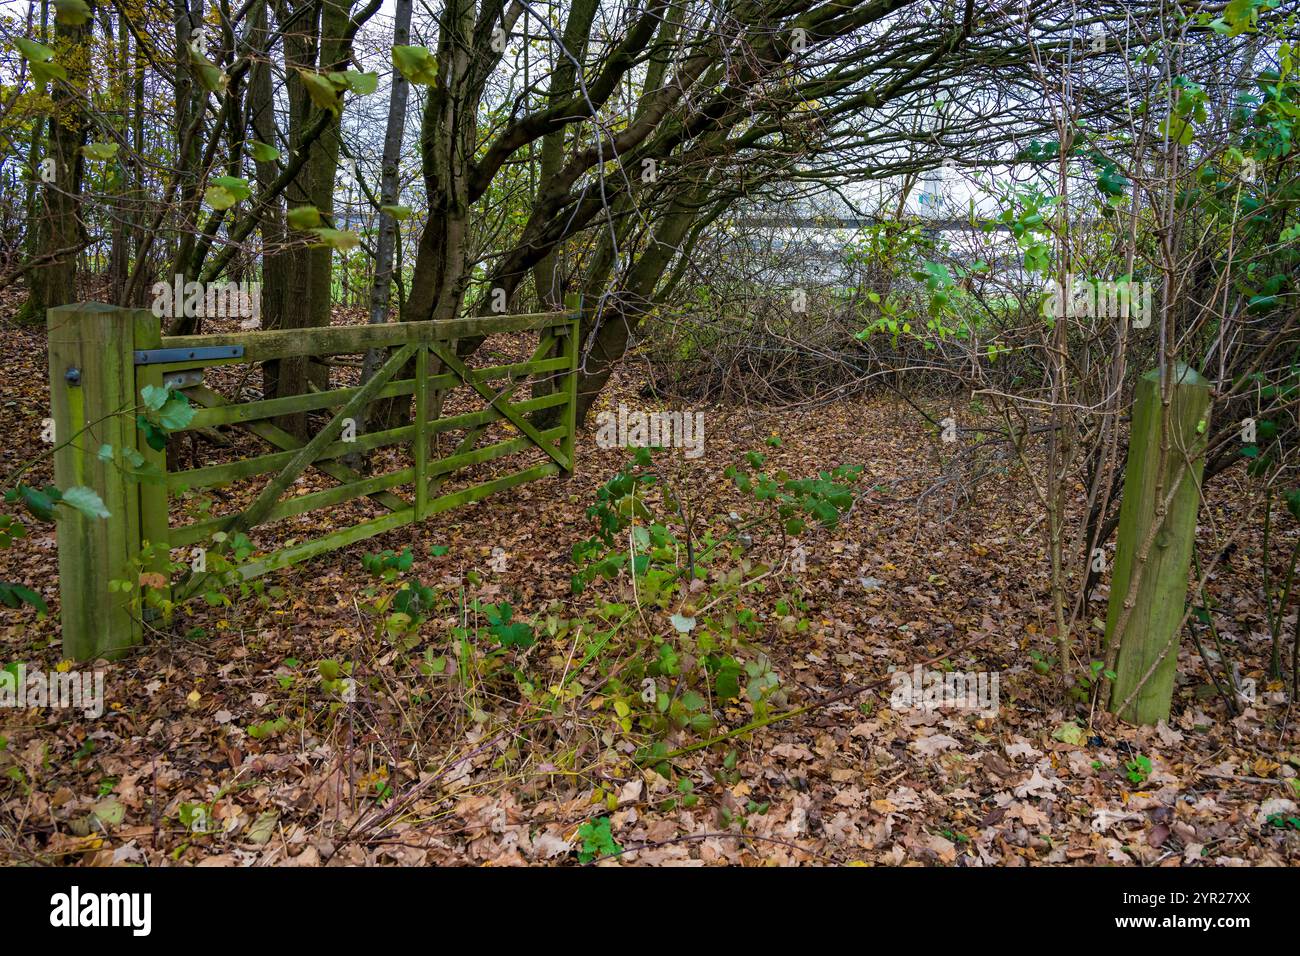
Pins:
<point x="1153" y="551"/>
<point x="92" y="398"/>
<point x="102" y="357"/>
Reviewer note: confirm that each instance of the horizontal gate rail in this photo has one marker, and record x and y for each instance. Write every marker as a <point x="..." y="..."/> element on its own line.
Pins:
<point x="275" y="407"/>
<point x="344" y="339"/>
<point x="210" y="475"/>
<point x="117" y="352"/>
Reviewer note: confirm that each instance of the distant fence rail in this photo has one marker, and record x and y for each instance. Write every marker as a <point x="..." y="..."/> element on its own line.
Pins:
<point x="102" y="358"/>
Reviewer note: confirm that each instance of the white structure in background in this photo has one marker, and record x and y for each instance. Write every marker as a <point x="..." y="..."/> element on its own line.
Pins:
<point x="933" y="198"/>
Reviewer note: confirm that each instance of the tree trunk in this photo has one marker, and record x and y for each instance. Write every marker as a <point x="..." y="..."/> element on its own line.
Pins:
<point x="261" y="119"/>
<point x="324" y="46"/>
<point x="119" y="259"/>
<point x="389" y="186"/>
<point x="54" y="281"/>
<point x="577" y="29"/>
<point x="447" y="134"/>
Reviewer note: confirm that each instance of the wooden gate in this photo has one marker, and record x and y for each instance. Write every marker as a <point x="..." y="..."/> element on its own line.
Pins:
<point x="104" y="361"/>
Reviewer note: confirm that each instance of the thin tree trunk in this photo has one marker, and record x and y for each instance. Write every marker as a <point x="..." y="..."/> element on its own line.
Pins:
<point x="389" y="185"/>
<point x="261" y="119"/>
<point x="119" y="259"/>
<point x="31" y="203"/>
<point x="189" y="103"/>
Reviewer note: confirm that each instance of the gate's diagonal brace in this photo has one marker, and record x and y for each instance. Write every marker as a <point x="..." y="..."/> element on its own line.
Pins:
<point x="505" y="409"/>
<point x="286" y="442"/>
<point x="472" y="436"/>
<point x="252" y="516"/>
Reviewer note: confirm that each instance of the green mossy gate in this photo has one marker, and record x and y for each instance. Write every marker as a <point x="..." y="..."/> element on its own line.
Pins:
<point x="102" y="357"/>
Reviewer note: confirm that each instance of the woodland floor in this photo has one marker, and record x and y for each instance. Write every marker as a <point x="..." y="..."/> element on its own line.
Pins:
<point x="902" y="580"/>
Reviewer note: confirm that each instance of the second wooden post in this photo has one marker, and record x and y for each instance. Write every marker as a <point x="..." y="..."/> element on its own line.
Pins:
<point x="1157" y="531"/>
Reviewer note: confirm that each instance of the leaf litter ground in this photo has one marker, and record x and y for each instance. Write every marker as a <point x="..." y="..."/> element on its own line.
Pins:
<point x="175" y="772"/>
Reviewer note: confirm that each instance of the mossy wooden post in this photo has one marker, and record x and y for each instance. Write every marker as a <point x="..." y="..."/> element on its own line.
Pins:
<point x="92" y="397"/>
<point x="573" y="352"/>
<point x="1147" y="623"/>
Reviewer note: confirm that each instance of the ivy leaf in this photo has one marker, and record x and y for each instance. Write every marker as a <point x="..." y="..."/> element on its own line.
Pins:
<point x="262" y="153"/>
<point x="416" y="63"/>
<point x="340" y="239"/>
<point x="100" y="152"/>
<point x="225" y="191"/>
<point x="400" y="213"/>
<point x="304" y="217"/>
<point x="86" y="501"/>
<point x="74" y="12"/>
<point x="41" y="58"/>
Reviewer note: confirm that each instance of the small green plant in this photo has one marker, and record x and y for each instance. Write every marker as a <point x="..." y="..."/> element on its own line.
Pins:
<point x="1088" y="680"/>
<point x="388" y="565"/>
<point x="597" y="840"/>
<point x="1041" y="663"/>
<point x="693" y="650"/>
<point x="268" y="728"/>
<point x="402" y="610"/>
<point x="1139" y="768"/>
<point x="508" y="632"/>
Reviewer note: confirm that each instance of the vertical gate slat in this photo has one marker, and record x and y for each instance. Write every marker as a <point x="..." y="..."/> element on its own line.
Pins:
<point x="572" y="350"/>
<point x="421" y="430"/>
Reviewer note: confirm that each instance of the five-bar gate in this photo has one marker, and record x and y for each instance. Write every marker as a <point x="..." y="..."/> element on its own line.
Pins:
<point x="102" y="359"/>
